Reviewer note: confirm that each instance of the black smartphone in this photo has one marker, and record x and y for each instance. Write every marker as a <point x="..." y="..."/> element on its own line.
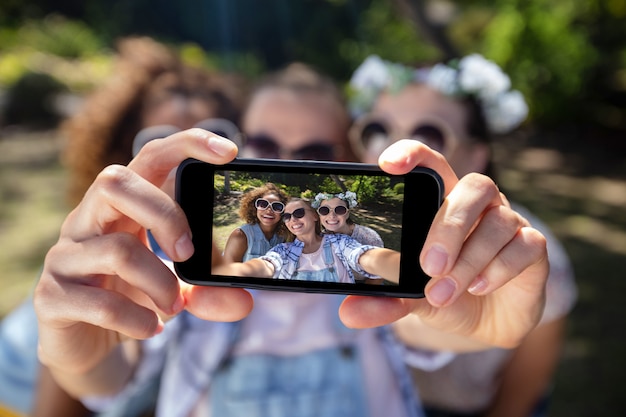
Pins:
<point x="399" y="208"/>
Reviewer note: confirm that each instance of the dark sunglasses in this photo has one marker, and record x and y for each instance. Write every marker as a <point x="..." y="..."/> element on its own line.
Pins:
<point x="339" y="210"/>
<point x="276" y="206"/>
<point x="428" y="133"/>
<point x="220" y="127"/>
<point x="297" y="213"/>
<point x="372" y="134"/>
<point x="263" y="146"/>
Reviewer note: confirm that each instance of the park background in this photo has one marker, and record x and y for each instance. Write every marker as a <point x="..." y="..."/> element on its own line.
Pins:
<point x="566" y="164"/>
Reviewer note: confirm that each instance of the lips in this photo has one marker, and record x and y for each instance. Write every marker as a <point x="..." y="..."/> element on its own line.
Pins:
<point x="295" y="227"/>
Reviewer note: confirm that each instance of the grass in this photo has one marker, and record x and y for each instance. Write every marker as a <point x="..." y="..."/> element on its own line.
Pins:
<point x="580" y="195"/>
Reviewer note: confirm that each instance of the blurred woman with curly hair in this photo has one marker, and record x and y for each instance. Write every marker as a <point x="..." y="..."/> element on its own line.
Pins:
<point x="151" y="88"/>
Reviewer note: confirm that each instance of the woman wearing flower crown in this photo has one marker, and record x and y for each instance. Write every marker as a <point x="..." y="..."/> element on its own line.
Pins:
<point x="457" y="109"/>
<point x="261" y="209"/>
<point x="334" y="212"/>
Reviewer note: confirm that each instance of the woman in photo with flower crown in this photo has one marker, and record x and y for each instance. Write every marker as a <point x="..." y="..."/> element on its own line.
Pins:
<point x="261" y="209"/>
<point x="334" y="212"/>
<point x="457" y="109"/>
<point x="314" y="256"/>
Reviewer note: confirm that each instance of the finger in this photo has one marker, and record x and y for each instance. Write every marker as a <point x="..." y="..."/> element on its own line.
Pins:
<point x="159" y="157"/>
<point x="118" y="257"/>
<point x="526" y="249"/>
<point x="458" y="215"/>
<point x="120" y="199"/>
<point x="217" y="303"/>
<point x="498" y="226"/>
<point x="404" y="155"/>
<point x="364" y="312"/>
<point x="96" y="306"/>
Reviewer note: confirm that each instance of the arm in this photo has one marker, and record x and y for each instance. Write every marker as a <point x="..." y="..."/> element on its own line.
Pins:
<point x="528" y="375"/>
<point x="236" y="246"/>
<point x="253" y="268"/>
<point x="52" y="401"/>
<point x="381" y="262"/>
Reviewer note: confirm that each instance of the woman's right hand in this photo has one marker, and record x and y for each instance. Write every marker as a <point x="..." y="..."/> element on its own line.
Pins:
<point x="101" y="284"/>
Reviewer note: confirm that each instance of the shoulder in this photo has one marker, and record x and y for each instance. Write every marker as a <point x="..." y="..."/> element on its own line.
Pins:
<point x="367" y="235"/>
<point x="238" y="234"/>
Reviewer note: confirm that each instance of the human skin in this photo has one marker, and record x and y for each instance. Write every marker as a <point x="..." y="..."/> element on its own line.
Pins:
<point x="293" y="121"/>
<point x="102" y="289"/>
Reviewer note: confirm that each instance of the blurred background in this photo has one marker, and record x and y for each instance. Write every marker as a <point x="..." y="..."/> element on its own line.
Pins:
<point x="567" y="164"/>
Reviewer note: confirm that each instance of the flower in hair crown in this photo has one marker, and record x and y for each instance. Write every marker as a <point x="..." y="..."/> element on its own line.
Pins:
<point x="349" y="197"/>
<point x="504" y="109"/>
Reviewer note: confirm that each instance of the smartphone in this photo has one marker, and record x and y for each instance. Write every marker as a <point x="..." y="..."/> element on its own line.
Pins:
<point x="400" y="208"/>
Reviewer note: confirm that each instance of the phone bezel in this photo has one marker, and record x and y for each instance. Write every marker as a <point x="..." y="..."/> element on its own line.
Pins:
<point x="417" y="216"/>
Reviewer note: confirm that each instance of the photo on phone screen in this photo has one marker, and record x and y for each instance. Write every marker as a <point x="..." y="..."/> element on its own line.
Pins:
<point x="381" y="210"/>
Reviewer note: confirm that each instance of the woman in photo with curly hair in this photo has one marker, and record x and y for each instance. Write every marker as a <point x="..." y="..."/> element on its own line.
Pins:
<point x="261" y="209"/>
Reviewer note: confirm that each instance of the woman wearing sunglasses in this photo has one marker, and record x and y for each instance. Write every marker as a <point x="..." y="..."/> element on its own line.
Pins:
<point x="334" y="212"/>
<point x="261" y="209"/>
<point x="458" y="109"/>
<point x="314" y="256"/>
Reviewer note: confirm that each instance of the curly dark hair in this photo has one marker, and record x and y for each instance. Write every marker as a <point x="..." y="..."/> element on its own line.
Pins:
<point x="248" y="212"/>
<point x="145" y="74"/>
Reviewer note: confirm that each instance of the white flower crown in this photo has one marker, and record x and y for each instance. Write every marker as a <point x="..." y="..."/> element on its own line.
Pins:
<point x="473" y="75"/>
<point x="349" y="197"/>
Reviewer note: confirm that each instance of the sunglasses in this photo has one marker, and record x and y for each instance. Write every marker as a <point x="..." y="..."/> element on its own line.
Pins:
<point x="263" y="146"/>
<point x="220" y="127"/>
<point x="339" y="210"/>
<point x="373" y="135"/>
<point x="297" y="213"/>
<point x="276" y="206"/>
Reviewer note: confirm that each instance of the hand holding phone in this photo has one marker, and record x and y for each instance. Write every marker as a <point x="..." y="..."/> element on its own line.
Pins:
<point x="400" y="207"/>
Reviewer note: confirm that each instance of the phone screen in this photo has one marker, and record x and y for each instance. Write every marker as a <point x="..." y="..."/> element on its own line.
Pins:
<point x="380" y="210"/>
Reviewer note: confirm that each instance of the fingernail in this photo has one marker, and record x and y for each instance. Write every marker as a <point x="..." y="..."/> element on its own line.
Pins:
<point x="478" y="286"/>
<point x="441" y="292"/>
<point x="184" y="247"/>
<point x="160" y="327"/>
<point x="221" y="146"/>
<point x="435" y="261"/>
<point x="179" y="304"/>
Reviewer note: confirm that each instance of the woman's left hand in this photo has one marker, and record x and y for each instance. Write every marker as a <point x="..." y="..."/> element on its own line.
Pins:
<point x="488" y="265"/>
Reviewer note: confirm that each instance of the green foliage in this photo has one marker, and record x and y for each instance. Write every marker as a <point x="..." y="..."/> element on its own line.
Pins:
<point x="58" y="36"/>
<point x="370" y="189"/>
<point x="385" y="32"/>
<point x="398" y="188"/>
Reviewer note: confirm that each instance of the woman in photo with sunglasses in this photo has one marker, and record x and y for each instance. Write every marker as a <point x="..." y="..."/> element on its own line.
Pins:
<point x="314" y="256"/>
<point x="334" y="212"/>
<point x="261" y="209"/>
<point x="458" y="109"/>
